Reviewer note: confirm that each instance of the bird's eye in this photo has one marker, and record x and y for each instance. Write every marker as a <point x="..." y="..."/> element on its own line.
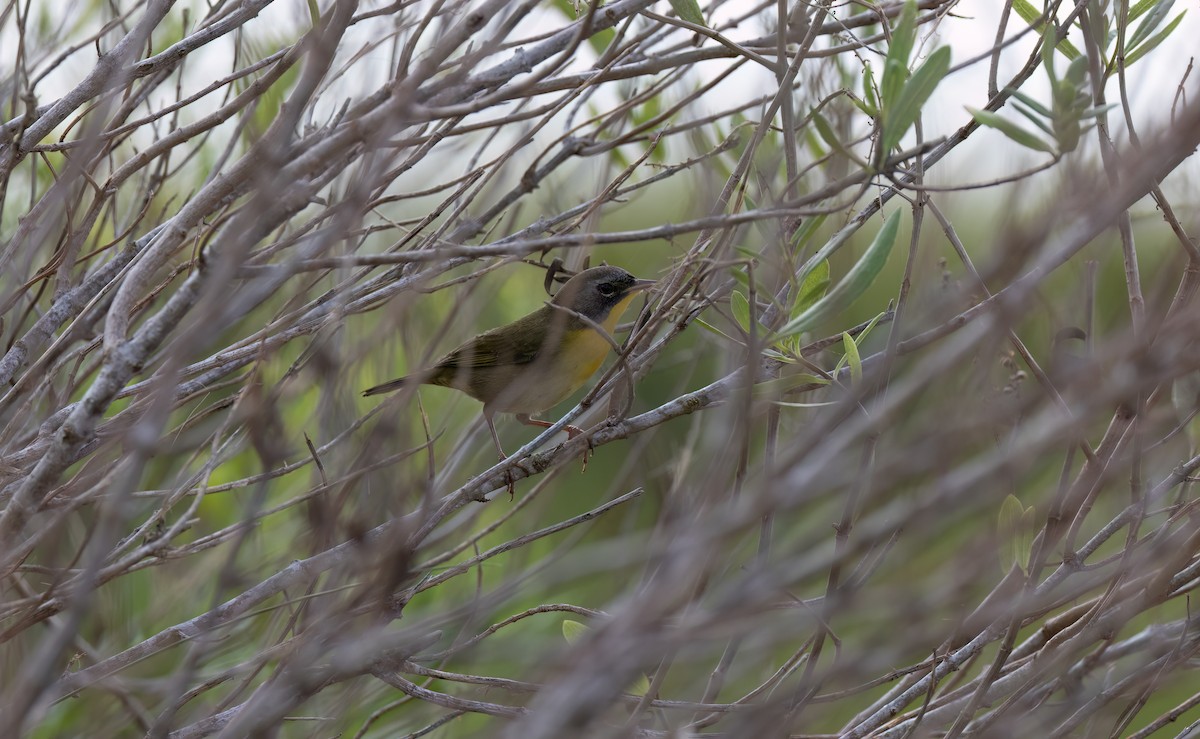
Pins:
<point x="607" y="290"/>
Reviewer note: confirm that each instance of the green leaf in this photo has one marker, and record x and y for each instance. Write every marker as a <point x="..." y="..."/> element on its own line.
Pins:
<point x="740" y="307"/>
<point x="895" y="66"/>
<point x="601" y="39"/>
<point x="869" y="100"/>
<point x="777" y="388"/>
<point x="862" y="335"/>
<point x="1153" y="41"/>
<point x="1096" y="25"/>
<point x="573" y="631"/>
<point x="806" y="230"/>
<point x="645" y="112"/>
<point x="1011" y="130"/>
<point x="1029" y="528"/>
<point x="1098" y="111"/>
<point x="1049" y="36"/>
<point x="314" y="13"/>
<point x="814" y="287"/>
<point x="1064" y="93"/>
<point x="900" y="117"/>
<point x="1076" y="75"/>
<point x="1035" y="17"/>
<point x="1152" y="21"/>
<point x="867" y="110"/>
<point x="1067" y="49"/>
<point x="1137" y="11"/>
<point x="689" y="10"/>
<point x="829" y="136"/>
<point x="1028" y="13"/>
<point x="1009" y="524"/>
<point x="813" y="141"/>
<point x="1049" y="39"/>
<point x="1067" y="132"/>
<point x="598" y="40"/>
<point x="826" y="132"/>
<point x="856" y="281"/>
<point x="1033" y="118"/>
<point x="641" y="686"/>
<point x="618" y="158"/>
<point x="894" y="76"/>
<point x="852" y="358"/>
<point x="1185" y="396"/>
<point x="706" y="325"/>
<point x="824" y="404"/>
<point x="1033" y="104"/>
<point x="747" y="252"/>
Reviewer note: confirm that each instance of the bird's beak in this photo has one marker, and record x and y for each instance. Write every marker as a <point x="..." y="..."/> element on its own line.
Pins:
<point x="643" y="285"/>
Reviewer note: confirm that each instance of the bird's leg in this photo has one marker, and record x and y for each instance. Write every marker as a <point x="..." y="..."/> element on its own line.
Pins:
<point x="572" y="432"/>
<point x="500" y="450"/>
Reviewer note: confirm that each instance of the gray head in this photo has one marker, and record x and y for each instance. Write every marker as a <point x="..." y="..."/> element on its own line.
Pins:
<point x="595" y="292"/>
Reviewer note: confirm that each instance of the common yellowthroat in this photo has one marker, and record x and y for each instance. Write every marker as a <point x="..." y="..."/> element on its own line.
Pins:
<point x="536" y="361"/>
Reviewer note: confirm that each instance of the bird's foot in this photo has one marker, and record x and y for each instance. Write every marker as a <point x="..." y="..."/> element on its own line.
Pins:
<point x="572" y="432"/>
<point x="509" y="481"/>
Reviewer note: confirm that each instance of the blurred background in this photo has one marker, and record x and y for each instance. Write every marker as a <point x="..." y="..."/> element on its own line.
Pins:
<point x="910" y="439"/>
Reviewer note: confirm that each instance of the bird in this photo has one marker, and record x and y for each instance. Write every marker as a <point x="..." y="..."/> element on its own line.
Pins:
<point x="535" y="362"/>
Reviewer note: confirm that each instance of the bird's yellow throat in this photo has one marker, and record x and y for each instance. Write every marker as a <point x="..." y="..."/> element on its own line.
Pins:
<point x="584" y="349"/>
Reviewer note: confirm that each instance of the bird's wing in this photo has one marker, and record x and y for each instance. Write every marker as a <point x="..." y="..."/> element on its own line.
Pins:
<point x="515" y="344"/>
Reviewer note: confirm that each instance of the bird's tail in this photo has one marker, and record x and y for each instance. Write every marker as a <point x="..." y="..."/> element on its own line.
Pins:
<point x="389" y="386"/>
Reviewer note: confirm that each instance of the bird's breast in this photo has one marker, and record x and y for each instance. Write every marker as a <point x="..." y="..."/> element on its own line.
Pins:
<point x="582" y="354"/>
<point x="549" y="380"/>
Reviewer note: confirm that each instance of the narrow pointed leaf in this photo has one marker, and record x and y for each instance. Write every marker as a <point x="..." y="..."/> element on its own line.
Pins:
<point x="1150" y="24"/>
<point x="826" y="132"/>
<point x="641" y="686"/>
<point x="869" y="91"/>
<point x="806" y="230"/>
<point x="895" y="66"/>
<point x="853" y="359"/>
<point x="573" y="631"/>
<point x="1076" y="75"/>
<point x="1140" y="9"/>
<point x="708" y="326"/>
<point x="1028" y="13"/>
<point x="1154" y="41"/>
<point x="1033" y="118"/>
<point x="899" y="118"/>
<point x="1098" y="110"/>
<point x="856" y="281"/>
<point x="1049" y="39"/>
<point x="1026" y="536"/>
<point x="777" y="388"/>
<point x="1033" y="104"/>
<point x="1011" y="130"/>
<point x="814" y="287"/>
<point x="689" y="10"/>
<point x="740" y="307"/>
<point x="862" y="335"/>
<point x="894" y="75"/>
<point x="1067" y="49"/>
<point x="1008" y="528"/>
<point x="904" y="35"/>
